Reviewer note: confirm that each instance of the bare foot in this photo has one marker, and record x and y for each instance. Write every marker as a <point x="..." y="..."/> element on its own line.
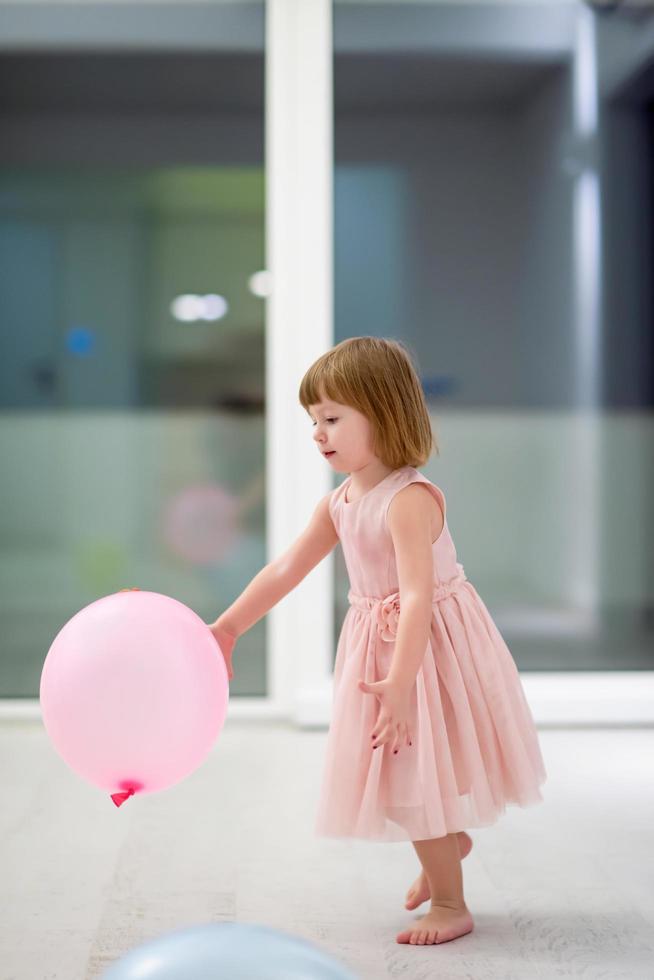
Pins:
<point x="440" y="925"/>
<point x="419" y="890"/>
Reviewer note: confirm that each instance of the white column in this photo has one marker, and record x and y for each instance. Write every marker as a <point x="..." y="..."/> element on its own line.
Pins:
<point x="299" y="328"/>
<point x="586" y="480"/>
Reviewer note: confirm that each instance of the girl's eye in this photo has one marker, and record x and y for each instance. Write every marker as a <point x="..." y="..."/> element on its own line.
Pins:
<point x="326" y="420"/>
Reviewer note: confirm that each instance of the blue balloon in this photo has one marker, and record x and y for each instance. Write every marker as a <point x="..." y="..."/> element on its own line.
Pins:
<point x="227" y="951"/>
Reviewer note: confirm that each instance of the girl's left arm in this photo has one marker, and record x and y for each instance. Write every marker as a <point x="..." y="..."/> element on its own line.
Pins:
<point x="409" y="522"/>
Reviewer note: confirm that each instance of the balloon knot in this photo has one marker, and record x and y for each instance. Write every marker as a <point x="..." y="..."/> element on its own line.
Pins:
<point x="119" y="798"/>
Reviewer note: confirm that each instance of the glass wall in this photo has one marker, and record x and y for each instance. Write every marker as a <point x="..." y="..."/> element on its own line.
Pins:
<point x="493" y="212"/>
<point x="131" y="337"/>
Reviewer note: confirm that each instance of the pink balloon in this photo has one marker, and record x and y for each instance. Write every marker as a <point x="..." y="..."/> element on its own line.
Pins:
<point x="134" y="692"/>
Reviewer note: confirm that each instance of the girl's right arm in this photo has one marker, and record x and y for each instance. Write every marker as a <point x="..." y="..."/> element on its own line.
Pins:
<point x="276" y="579"/>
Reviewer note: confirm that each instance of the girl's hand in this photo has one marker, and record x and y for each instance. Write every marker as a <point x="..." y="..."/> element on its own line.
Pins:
<point x="392" y="723"/>
<point x="226" y="641"/>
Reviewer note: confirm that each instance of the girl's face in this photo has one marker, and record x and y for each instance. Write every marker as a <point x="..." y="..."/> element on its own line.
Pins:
<point x="343" y="435"/>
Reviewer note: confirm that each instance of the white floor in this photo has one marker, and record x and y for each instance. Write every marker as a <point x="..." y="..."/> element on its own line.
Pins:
<point x="563" y="889"/>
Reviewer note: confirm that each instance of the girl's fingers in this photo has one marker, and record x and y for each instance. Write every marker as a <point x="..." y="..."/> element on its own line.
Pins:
<point x="391" y="735"/>
<point x="386" y="733"/>
<point x="382" y="735"/>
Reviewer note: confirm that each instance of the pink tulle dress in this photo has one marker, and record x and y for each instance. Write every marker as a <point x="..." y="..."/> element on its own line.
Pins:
<point x="475" y="746"/>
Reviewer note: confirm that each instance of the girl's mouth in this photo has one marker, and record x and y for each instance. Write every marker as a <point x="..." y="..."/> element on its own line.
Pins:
<point x="330" y="453"/>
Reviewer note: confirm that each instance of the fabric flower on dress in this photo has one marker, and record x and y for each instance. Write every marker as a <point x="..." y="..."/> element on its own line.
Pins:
<point x="388" y="617"/>
<point x="386" y="611"/>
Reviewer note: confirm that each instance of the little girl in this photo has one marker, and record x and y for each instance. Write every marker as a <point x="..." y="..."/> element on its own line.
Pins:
<point x="422" y="671"/>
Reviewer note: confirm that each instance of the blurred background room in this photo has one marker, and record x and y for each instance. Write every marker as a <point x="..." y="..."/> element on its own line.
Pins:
<point x="491" y="199"/>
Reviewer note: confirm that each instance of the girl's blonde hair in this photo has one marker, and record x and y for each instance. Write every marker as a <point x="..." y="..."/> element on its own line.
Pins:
<point x="376" y="376"/>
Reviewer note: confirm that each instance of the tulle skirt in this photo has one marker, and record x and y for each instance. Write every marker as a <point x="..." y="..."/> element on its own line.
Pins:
<point x="475" y="746"/>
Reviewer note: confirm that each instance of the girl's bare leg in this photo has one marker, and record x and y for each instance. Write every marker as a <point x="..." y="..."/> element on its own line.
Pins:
<point x="441" y="861"/>
<point x="419" y="890"/>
